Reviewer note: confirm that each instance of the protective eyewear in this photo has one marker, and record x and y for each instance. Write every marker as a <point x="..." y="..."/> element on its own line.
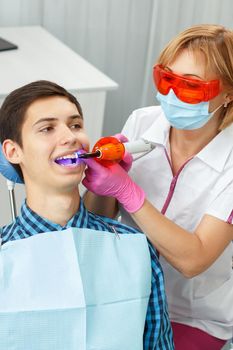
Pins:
<point x="186" y="89"/>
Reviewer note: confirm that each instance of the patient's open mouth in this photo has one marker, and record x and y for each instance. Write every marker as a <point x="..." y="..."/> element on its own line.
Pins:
<point x="69" y="160"/>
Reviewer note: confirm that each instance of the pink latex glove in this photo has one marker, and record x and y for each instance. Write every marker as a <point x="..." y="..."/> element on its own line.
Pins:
<point x="114" y="182"/>
<point x="126" y="162"/>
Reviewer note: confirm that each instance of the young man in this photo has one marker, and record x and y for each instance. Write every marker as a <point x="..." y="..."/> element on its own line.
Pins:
<point x="66" y="285"/>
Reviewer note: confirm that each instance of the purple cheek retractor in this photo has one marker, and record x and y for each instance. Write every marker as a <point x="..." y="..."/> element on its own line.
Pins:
<point x="71" y="161"/>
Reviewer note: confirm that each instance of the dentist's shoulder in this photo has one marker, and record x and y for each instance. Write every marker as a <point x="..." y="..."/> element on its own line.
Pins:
<point x="140" y="120"/>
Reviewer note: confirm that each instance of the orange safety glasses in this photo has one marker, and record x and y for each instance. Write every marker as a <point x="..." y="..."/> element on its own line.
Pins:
<point x="186" y="89"/>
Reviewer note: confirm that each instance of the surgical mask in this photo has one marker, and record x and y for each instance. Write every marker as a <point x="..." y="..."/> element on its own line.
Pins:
<point x="182" y="115"/>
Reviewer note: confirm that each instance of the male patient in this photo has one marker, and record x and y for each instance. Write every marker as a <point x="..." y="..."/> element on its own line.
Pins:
<point x="69" y="279"/>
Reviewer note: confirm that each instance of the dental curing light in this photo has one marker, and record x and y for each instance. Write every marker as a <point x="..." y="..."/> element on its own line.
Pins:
<point x="109" y="150"/>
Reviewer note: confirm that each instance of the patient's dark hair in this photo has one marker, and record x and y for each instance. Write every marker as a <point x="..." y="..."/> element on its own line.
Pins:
<point x="14" y="108"/>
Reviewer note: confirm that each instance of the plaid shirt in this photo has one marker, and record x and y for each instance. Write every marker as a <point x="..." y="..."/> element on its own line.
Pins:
<point x="157" y="333"/>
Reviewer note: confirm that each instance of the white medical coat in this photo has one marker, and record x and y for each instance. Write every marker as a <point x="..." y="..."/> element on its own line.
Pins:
<point x="203" y="186"/>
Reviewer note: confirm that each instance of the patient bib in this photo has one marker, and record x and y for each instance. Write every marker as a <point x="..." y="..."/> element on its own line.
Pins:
<point x="77" y="289"/>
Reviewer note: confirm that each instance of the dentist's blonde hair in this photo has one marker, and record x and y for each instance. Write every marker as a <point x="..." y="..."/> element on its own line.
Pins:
<point x="215" y="43"/>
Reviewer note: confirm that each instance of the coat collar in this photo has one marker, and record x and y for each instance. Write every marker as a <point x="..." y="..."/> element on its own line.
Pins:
<point x="215" y="153"/>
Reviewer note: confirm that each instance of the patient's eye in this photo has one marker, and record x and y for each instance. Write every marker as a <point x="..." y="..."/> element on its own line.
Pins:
<point x="76" y="126"/>
<point x="46" y="129"/>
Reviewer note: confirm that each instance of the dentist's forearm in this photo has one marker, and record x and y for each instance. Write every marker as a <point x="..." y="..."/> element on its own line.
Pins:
<point x="180" y="248"/>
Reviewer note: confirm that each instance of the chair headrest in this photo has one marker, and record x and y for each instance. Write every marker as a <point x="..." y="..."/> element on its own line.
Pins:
<point x="7" y="170"/>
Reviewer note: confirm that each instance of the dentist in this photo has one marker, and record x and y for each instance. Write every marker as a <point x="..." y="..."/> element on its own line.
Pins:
<point x="181" y="193"/>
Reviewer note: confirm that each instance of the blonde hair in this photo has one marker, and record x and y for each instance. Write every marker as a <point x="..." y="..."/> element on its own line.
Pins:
<point x="215" y="42"/>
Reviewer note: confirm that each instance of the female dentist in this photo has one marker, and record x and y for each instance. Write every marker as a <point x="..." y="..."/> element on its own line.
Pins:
<point x="181" y="193"/>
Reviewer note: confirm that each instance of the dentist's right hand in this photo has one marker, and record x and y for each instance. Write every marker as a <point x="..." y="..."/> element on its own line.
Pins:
<point x="113" y="181"/>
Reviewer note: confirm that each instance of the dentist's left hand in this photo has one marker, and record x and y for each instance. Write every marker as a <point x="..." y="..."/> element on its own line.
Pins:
<point x="114" y="182"/>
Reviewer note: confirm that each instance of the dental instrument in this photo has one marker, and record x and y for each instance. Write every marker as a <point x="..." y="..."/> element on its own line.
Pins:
<point x="109" y="150"/>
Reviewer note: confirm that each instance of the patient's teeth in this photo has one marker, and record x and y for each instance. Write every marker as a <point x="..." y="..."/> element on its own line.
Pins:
<point x="72" y="156"/>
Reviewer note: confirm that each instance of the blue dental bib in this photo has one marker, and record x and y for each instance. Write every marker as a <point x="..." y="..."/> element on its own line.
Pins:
<point x="77" y="289"/>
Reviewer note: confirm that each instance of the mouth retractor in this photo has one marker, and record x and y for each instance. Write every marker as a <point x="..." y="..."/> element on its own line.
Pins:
<point x="71" y="159"/>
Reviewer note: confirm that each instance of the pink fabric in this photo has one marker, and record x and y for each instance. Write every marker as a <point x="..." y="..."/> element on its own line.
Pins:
<point x="190" y="338"/>
<point x="173" y="184"/>
<point x="229" y="220"/>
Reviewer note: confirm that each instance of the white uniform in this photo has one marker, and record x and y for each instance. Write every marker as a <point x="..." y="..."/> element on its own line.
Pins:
<point x="203" y="185"/>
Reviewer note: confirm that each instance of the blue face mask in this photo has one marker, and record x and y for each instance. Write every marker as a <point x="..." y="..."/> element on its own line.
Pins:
<point x="183" y="115"/>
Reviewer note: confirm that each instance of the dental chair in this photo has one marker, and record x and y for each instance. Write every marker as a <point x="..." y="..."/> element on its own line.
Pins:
<point x="12" y="177"/>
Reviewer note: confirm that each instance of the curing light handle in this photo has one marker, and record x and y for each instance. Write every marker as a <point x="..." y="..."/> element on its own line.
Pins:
<point x="138" y="146"/>
<point x="109" y="150"/>
<point x="115" y="151"/>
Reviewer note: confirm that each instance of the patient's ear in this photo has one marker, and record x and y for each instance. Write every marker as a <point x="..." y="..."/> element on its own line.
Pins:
<point x="11" y="151"/>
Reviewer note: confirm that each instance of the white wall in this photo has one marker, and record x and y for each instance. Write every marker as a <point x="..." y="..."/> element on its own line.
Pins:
<point x="120" y="37"/>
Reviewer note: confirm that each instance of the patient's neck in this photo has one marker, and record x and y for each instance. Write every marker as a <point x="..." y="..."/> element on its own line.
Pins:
<point x="56" y="207"/>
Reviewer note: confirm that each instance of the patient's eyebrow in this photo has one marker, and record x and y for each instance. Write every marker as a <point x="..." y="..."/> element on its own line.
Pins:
<point x="53" y="119"/>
